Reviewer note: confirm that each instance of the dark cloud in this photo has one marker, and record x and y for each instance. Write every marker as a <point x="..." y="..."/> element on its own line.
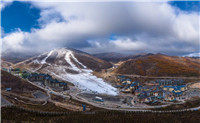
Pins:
<point x="138" y="27"/>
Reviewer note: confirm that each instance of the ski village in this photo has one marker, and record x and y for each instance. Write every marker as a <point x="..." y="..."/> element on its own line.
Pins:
<point x="132" y="94"/>
<point x="67" y="82"/>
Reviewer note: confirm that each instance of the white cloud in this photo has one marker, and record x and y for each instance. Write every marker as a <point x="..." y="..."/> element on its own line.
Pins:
<point x="5" y="3"/>
<point x="14" y="41"/>
<point x="186" y="28"/>
<point x="153" y="27"/>
<point x="120" y="44"/>
<point x="128" y="44"/>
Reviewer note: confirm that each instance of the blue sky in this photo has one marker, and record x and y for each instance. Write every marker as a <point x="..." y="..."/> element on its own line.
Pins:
<point x="188" y="6"/>
<point x="19" y="15"/>
<point x="25" y="20"/>
<point x="24" y="16"/>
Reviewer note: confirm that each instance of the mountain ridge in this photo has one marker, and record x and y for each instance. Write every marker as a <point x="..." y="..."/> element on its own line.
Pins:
<point x="117" y="57"/>
<point x="160" y="65"/>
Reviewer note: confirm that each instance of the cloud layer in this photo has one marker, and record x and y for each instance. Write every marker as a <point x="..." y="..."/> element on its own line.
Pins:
<point x="127" y="27"/>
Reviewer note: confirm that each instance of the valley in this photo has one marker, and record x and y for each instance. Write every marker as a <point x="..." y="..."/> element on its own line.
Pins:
<point x="64" y="79"/>
<point x="131" y="96"/>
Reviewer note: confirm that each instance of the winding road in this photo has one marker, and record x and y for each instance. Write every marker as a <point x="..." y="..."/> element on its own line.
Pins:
<point x="100" y="105"/>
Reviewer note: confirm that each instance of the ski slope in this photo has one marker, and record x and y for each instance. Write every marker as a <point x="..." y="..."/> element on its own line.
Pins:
<point x="84" y="80"/>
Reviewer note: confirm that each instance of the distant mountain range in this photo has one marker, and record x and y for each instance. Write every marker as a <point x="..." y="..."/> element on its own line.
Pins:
<point x="15" y="57"/>
<point x="117" y="57"/>
<point x="195" y="55"/>
<point x="6" y="64"/>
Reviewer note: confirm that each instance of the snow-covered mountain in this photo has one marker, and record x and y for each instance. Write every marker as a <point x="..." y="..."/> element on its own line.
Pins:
<point x="193" y="55"/>
<point x="73" y="66"/>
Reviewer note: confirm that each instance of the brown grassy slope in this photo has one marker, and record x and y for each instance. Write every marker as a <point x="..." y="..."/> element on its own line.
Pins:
<point x="5" y="64"/>
<point x="92" y="62"/>
<point x="16" y="115"/>
<point x="18" y="85"/>
<point x="160" y="65"/>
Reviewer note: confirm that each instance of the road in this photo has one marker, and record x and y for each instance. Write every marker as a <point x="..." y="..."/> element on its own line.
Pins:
<point x="162" y="77"/>
<point x="23" y="97"/>
<point x="134" y="109"/>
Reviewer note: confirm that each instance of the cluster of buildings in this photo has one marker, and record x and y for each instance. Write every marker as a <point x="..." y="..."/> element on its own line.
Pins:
<point x="163" y="90"/>
<point x="45" y="79"/>
<point x="153" y="94"/>
<point x="127" y="85"/>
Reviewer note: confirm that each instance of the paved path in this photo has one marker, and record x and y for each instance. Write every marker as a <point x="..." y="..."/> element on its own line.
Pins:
<point x="161" y="77"/>
<point x="4" y="102"/>
<point x="74" y="96"/>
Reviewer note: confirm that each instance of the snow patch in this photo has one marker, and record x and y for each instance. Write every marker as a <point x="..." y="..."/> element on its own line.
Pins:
<point x="44" y="60"/>
<point x="90" y="83"/>
<point x="36" y="62"/>
<point x="67" y="58"/>
<point x="78" y="61"/>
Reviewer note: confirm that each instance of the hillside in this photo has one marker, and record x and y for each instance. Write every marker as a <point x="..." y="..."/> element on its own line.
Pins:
<point x="12" y="114"/>
<point x="160" y="65"/>
<point x="18" y="85"/>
